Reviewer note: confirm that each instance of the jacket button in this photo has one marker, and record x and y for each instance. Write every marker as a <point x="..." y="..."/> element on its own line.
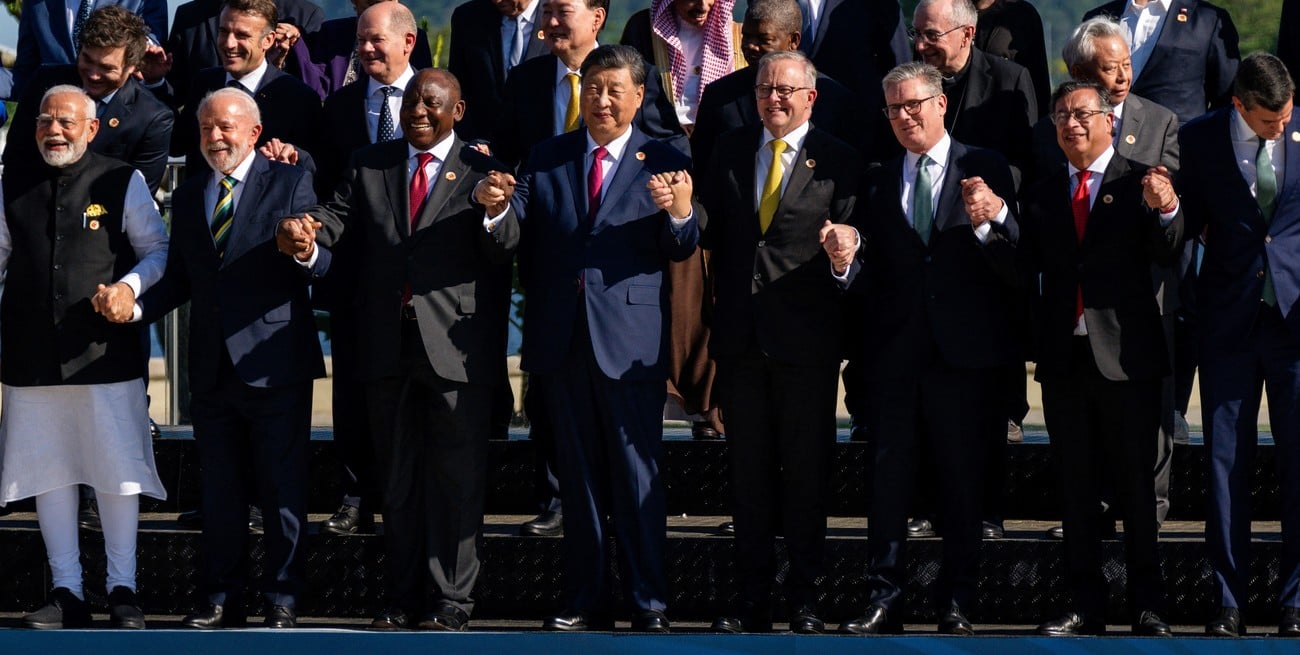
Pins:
<point x="758" y="276"/>
<point x="927" y="259"/>
<point x="1260" y="275"/>
<point x="1268" y="239"/>
<point x="762" y="244"/>
<point x="58" y="267"/>
<point x="58" y="237"/>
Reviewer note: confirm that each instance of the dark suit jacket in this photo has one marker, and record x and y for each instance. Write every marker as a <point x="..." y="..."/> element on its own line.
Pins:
<point x="330" y="50"/>
<point x="1112" y="268"/>
<point x="1012" y="29"/>
<point x="193" y="39"/>
<point x="858" y="42"/>
<point x="729" y="103"/>
<point x="135" y="127"/>
<point x="474" y="57"/>
<point x="44" y="36"/>
<point x="1238" y="243"/>
<point x="996" y="109"/>
<point x="1288" y="36"/>
<point x="291" y="112"/>
<point x="345" y="115"/>
<point x="253" y="303"/>
<point x="527" y="112"/>
<point x="1194" y="62"/>
<point x="459" y="273"/>
<point x="621" y="257"/>
<point x="955" y="295"/>
<point x="773" y="291"/>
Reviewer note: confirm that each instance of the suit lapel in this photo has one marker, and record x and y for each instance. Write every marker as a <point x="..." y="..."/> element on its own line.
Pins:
<point x="894" y="200"/>
<point x="1100" y="214"/>
<point x="1291" y="160"/>
<point x="823" y="24"/>
<point x="1170" y="32"/>
<point x="397" y="190"/>
<point x="801" y="170"/>
<point x="450" y="176"/>
<point x="950" y="208"/>
<point x="1130" y="134"/>
<point x="59" y="24"/>
<point x="629" y="167"/>
<point x="249" y="199"/>
<point x="1058" y="208"/>
<point x="577" y="169"/>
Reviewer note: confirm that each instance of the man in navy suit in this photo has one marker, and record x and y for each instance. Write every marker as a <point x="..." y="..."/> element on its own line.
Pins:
<point x="488" y="39"/>
<point x="855" y="42"/>
<point x="135" y="127"/>
<point x="253" y="355"/>
<point x="47" y="28"/>
<point x="596" y="245"/>
<point x="935" y="283"/>
<point x="1240" y="174"/>
<point x="1185" y="52"/>
<point x="332" y="60"/>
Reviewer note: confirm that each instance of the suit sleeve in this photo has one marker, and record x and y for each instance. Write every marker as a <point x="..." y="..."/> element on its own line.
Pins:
<point x="1222" y="59"/>
<point x="1001" y="245"/>
<point x="1169" y="152"/>
<point x="28" y="57"/>
<point x="303" y="198"/>
<point x="335" y="214"/>
<point x="1166" y="242"/>
<point x="505" y="134"/>
<point x="154" y="13"/>
<point x="150" y="156"/>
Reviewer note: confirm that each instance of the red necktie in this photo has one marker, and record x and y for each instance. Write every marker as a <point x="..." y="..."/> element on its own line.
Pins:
<point x="595" y="178"/>
<point x="1079" y="206"/>
<point x="419" y="186"/>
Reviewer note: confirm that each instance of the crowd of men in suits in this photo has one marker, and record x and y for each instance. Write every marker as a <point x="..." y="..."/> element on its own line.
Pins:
<point x="716" y="213"/>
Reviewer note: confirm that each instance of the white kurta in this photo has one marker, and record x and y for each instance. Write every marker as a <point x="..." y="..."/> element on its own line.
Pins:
<point x="97" y="435"/>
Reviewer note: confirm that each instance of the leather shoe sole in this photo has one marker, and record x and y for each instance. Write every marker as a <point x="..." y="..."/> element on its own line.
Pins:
<point x="547" y="524"/>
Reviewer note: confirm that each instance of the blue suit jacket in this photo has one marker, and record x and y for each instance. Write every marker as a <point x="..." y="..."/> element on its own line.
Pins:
<point x="252" y="303"/>
<point x="1238" y="242"/>
<point x="620" y="259"/>
<point x="1194" y="61"/>
<point x="44" y="36"/>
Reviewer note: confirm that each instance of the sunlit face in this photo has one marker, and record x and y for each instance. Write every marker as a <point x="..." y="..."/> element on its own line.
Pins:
<point x="430" y="110"/>
<point x="102" y="70"/>
<point x="782" y="115"/>
<point x="1081" y="138"/>
<point x="227" y="133"/>
<point x="511" y="8"/>
<point x="920" y="131"/>
<point x="1266" y="124"/>
<point x="383" y="51"/>
<point x="242" y="41"/>
<point x="570" y="26"/>
<point x="758" y="38"/>
<point x="1110" y="67"/>
<point x="939" y="42"/>
<point x="693" y="12"/>
<point x="64" y="130"/>
<point x="609" y="101"/>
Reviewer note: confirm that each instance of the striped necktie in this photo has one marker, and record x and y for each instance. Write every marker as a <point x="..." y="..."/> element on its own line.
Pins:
<point x="223" y="215"/>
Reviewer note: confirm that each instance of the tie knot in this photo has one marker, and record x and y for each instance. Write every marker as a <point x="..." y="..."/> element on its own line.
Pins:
<point x="573" y="79"/>
<point x="1083" y="176"/>
<point x="599" y="153"/>
<point x="778" y="146"/>
<point x="228" y="182"/>
<point x="388" y="91"/>
<point x="923" y="161"/>
<point x="422" y="159"/>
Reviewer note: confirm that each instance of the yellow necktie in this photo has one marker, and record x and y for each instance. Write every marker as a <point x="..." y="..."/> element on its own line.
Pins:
<point x="771" y="187"/>
<point x="571" y="113"/>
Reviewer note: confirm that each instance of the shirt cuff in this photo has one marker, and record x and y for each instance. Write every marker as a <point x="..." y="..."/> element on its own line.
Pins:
<point x="1168" y="217"/>
<point x="844" y="277"/>
<point x="677" y="223"/>
<point x="490" y="223"/>
<point x="982" y="232"/>
<point x="136" y="313"/>
<point x="132" y="280"/>
<point x="311" y="261"/>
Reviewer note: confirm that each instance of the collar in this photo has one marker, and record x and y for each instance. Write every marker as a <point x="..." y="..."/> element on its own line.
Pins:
<point x="561" y="70"/>
<point x="1118" y="110"/>
<point x="793" y="141"/>
<point x="1241" y="131"/>
<point x="1131" y="7"/>
<point x="373" y="85"/>
<point x="253" y="79"/>
<point x="1098" y="165"/>
<point x="241" y="171"/>
<point x="615" y="148"/>
<point x="528" y="15"/>
<point x="938" y="153"/>
<point x="440" y="150"/>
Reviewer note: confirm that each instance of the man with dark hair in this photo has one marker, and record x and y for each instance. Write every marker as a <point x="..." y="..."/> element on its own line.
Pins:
<point x="1093" y="229"/>
<point x="489" y="38"/>
<point x="594" y="329"/>
<point x="135" y="127"/>
<point x="49" y="32"/>
<point x="855" y="43"/>
<point x="1239" y="164"/>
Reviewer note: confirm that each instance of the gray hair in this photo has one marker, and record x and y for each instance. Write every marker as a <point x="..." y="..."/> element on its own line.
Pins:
<point x="241" y="97"/>
<point x="75" y="90"/>
<point x="784" y="15"/>
<point x="930" y="77"/>
<point x="1081" y="47"/>
<point x="616" y="56"/>
<point x="960" y="12"/>
<point x="809" y="70"/>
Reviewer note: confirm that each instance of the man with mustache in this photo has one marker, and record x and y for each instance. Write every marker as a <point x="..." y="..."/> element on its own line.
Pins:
<point x="79" y="237"/>
<point x="253" y="354"/>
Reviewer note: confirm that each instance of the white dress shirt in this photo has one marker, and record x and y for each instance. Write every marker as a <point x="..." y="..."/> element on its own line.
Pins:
<point x="938" y="167"/>
<point x="1142" y="27"/>
<point x="253" y="79"/>
<point x="1245" y="144"/>
<point x="375" y="98"/>
<point x="520" y="28"/>
<point x="440" y="151"/>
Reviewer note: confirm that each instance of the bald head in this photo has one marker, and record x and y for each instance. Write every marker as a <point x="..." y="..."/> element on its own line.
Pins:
<point x="385" y="40"/>
<point x="431" y="107"/>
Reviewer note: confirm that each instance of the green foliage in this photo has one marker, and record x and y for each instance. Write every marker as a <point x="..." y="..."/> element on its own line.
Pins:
<point x="15" y="7"/>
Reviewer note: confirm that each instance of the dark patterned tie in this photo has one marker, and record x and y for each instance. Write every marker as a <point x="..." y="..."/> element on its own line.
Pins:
<point x="385" y="131"/>
<point x="83" y="15"/>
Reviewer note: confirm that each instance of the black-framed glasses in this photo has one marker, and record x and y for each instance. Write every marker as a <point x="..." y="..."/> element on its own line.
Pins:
<point x="930" y="36"/>
<point x="44" y="121"/>
<point x="912" y="107"/>
<point x="1081" y="115"/>
<point x="762" y="91"/>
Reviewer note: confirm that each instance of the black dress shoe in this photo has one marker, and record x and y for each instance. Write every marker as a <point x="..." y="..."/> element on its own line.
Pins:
<point x="804" y="621"/>
<point x="88" y="514"/>
<point x="1149" y="624"/>
<point x="734" y="625"/>
<point x="875" y="621"/>
<point x="573" y="621"/>
<point x="349" y="520"/>
<point x="447" y="618"/>
<point x="391" y="619"/>
<point x="279" y="616"/>
<point x="1289" y="625"/>
<point x="1228" y="623"/>
<point x="191" y="520"/>
<point x="993" y="530"/>
<point x="1056" y="532"/>
<point x="547" y="524"/>
<point x="703" y="431"/>
<point x="650" y="621"/>
<point x="727" y="528"/>
<point x="1071" y="624"/>
<point x="154" y="431"/>
<point x="124" y="610"/>
<point x="920" y="529"/>
<point x="64" y="610"/>
<point x="213" y="616"/>
<point x="954" y="622"/>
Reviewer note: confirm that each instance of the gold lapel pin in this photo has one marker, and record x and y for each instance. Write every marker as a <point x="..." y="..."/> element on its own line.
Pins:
<point x="541" y="34"/>
<point x="1295" y="136"/>
<point x="451" y="175"/>
<point x="640" y="156"/>
<point x="94" y="225"/>
<point x="1130" y="139"/>
<point x="810" y="163"/>
<point x="1182" y="15"/>
<point x="1108" y="199"/>
<point x="113" y="122"/>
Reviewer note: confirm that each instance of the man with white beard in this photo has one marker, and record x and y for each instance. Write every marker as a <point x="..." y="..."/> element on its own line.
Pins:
<point x="80" y="238"/>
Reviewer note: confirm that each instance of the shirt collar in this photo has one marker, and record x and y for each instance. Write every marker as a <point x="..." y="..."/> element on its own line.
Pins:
<point x="1118" y="110"/>
<point x="440" y="150"/>
<point x="1098" y="165"/>
<point x="561" y="70"/>
<point x="1163" y="5"/>
<point x="938" y="153"/>
<point x="253" y="79"/>
<point x="1241" y="130"/>
<point x="373" y="86"/>
<point x="793" y="141"/>
<point x="241" y="171"/>
<point x="614" y="149"/>
<point x="529" y="14"/>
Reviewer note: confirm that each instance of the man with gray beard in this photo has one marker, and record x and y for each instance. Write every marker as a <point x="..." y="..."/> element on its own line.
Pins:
<point x="80" y="238"/>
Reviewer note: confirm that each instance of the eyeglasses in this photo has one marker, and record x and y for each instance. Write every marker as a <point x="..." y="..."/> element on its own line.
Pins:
<point x="44" y="121"/>
<point x="762" y="91"/>
<point x="1081" y="115"/>
<point x="912" y="107"/>
<point x="930" y="36"/>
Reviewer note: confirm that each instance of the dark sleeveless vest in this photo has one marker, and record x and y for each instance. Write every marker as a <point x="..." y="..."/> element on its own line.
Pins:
<point x="66" y="230"/>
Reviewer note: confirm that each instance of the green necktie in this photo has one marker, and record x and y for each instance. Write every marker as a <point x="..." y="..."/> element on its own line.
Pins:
<point x="1266" y="196"/>
<point x="223" y="215"/>
<point x="922" y="213"/>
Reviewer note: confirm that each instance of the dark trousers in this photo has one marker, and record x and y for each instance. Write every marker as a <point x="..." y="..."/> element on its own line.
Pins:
<point x="609" y="435"/>
<point x="941" y="411"/>
<point x="252" y="438"/>
<point x="356" y="450"/>
<point x="1103" y="437"/>
<point x="546" y="478"/>
<point x="781" y="433"/>
<point x="1233" y="375"/>
<point x="431" y="437"/>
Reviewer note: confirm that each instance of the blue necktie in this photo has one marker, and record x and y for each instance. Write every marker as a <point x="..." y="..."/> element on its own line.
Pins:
<point x="83" y="15"/>
<point x="386" y="130"/>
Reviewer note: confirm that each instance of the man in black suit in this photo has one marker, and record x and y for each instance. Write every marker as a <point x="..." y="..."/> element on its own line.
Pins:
<point x="1012" y="29"/>
<point x="488" y="39"/>
<point x="855" y="42"/>
<point x="1093" y="230"/>
<point x="290" y="111"/>
<point x="253" y="355"/>
<point x="434" y="286"/>
<point x="936" y="281"/>
<point x="777" y="332"/>
<point x="135" y="127"/>
<point x="1185" y="52"/>
<point x="1288" y="35"/>
<point x="332" y="61"/>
